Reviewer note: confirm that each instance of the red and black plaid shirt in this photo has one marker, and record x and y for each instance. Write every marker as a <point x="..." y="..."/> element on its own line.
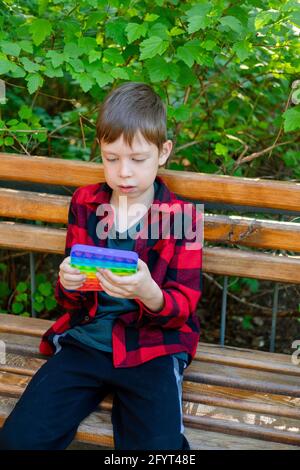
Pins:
<point x="140" y="335"/>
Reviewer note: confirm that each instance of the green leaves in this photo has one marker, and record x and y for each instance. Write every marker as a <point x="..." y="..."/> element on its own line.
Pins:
<point x="40" y="29"/>
<point x="221" y="149"/>
<point x="72" y="50"/>
<point x="113" y="55"/>
<point x="189" y="52"/>
<point x="5" y="66"/>
<point x="8" y="141"/>
<point x="116" y="31"/>
<point x="10" y="48"/>
<point x="4" y="290"/>
<point x="135" y="31"/>
<point x="43" y="297"/>
<point x="233" y="23"/>
<point x="119" y="72"/>
<point x="225" y="68"/>
<point x="180" y="113"/>
<point x="292" y="119"/>
<point x="102" y="78"/>
<point x="94" y="55"/>
<point x="56" y="58"/>
<point x="159" y="70"/>
<point x="45" y="288"/>
<point x="198" y="17"/>
<point x="242" y="49"/>
<point x="17" y="307"/>
<point x="86" y="81"/>
<point x="21" y="298"/>
<point x="34" y="81"/>
<point x="292" y="160"/>
<point x="21" y="287"/>
<point x="265" y="17"/>
<point x="247" y="322"/>
<point x="29" y="66"/>
<point x="52" y="72"/>
<point x="153" y="46"/>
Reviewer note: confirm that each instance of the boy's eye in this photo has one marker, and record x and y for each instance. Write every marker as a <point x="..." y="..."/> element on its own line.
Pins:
<point x="134" y="159"/>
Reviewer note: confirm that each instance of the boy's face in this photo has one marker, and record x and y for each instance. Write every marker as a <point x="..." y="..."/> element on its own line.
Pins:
<point x="134" y="166"/>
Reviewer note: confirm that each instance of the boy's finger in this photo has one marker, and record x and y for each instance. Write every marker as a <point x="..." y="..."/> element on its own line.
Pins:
<point x="120" y="280"/>
<point x="107" y="285"/>
<point x="69" y="269"/>
<point x="74" y="277"/>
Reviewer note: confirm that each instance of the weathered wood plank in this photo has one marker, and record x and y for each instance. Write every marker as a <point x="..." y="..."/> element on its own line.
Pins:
<point x="198" y="186"/>
<point x="216" y="260"/>
<point x="217" y="228"/>
<point x="34" y="206"/>
<point x="97" y="429"/>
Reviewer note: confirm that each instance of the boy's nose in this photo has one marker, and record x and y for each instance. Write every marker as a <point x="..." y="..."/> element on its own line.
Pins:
<point x="125" y="170"/>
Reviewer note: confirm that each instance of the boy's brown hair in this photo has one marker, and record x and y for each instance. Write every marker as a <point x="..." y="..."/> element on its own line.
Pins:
<point x="128" y="108"/>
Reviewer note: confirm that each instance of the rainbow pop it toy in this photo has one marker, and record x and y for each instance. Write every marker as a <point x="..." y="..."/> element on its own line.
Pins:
<point x="87" y="258"/>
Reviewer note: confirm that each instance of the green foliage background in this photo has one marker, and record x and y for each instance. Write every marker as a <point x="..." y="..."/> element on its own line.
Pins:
<point x="228" y="72"/>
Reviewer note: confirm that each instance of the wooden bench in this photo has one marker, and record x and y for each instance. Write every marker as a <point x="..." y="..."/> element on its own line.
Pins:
<point x="233" y="398"/>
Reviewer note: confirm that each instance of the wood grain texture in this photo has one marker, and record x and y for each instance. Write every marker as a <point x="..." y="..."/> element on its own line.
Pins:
<point x="223" y="391"/>
<point x="198" y="186"/>
<point x="216" y="260"/>
<point x="230" y="230"/>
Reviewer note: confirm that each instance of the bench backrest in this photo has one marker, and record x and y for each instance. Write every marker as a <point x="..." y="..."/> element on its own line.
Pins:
<point x="239" y="237"/>
<point x="234" y="245"/>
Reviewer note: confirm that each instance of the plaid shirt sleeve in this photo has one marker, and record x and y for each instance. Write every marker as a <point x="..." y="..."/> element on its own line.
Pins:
<point x="69" y="300"/>
<point x="182" y="287"/>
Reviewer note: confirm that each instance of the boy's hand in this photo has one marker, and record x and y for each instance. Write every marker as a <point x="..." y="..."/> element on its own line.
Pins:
<point x="70" y="278"/>
<point x="139" y="285"/>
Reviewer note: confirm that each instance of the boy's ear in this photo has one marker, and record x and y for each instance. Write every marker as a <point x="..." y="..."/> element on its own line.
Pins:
<point x="165" y="152"/>
<point x="163" y="161"/>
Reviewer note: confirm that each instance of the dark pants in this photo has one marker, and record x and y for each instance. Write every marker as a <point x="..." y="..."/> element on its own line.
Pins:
<point x="146" y="414"/>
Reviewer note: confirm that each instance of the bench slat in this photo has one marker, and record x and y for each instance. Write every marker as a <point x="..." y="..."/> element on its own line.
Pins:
<point x="205" y="372"/>
<point x="246" y="400"/>
<point x="217" y="228"/>
<point x="100" y="425"/>
<point x="191" y="185"/>
<point x="248" y="430"/>
<point x="15" y="380"/>
<point x="248" y="379"/>
<point x="19" y="342"/>
<point x="216" y="260"/>
<point x="34" y="206"/>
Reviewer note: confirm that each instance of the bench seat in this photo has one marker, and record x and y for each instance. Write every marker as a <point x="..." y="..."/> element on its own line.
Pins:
<point x="233" y="398"/>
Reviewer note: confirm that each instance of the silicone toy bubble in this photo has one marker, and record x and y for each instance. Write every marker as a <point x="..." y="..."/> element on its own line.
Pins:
<point x="88" y="258"/>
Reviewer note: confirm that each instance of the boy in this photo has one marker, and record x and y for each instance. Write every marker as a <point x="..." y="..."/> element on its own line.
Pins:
<point x="136" y="336"/>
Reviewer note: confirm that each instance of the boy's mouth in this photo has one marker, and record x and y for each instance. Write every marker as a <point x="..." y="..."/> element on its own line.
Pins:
<point x="126" y="188"/>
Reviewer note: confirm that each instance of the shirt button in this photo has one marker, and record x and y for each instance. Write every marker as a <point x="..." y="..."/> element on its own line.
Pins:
<point x="86" y="318"/>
